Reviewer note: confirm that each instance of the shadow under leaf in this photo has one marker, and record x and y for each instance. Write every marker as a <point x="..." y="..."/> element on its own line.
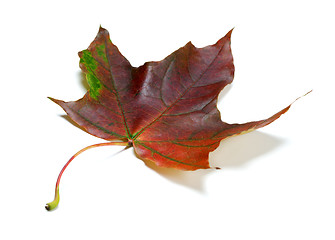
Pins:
<point x="233" y="152"/>
<point x="240" y="150"/>
<point x="191" y="179"/>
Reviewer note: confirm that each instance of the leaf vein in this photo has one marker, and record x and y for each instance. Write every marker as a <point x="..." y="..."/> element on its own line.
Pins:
<point x="96" y="125"/>
<point x="116" y="93"/>
<point x="167" y="109"/>
<point x="167" y="157"/>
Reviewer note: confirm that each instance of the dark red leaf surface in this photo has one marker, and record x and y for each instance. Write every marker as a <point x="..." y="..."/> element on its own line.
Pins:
<point x="166" y="110"/>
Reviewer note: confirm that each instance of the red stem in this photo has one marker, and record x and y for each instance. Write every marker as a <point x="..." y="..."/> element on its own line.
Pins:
<point x="83" y="150"/>
<point x="48" y="207"/>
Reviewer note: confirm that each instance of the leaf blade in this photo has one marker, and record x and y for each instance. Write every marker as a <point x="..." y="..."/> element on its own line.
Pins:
<point x="167" y="109"/>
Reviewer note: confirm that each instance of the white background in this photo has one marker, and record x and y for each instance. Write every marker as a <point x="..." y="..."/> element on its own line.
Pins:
<point x="275" y="183"/>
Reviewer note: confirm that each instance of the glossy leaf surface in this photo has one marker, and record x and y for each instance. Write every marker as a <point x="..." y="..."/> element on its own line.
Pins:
<point x="166" y="110"/>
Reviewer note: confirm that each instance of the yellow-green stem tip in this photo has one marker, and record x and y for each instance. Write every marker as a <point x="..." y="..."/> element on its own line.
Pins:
<point x="52" y="205"/>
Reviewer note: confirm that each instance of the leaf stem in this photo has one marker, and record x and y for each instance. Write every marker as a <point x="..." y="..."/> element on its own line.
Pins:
<point x="52" y="205"/>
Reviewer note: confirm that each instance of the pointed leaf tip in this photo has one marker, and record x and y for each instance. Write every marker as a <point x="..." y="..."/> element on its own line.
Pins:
<point x="55" y="100"/>
<point x="103" y="30"/>
<point x="228" y="35"/>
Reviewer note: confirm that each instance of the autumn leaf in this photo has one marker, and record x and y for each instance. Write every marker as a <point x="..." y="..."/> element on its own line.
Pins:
<point x="166" y="110"/>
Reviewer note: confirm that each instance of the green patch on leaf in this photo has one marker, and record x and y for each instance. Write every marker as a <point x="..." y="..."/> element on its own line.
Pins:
<point x="91" y="65"/>
<point x="88" y="60"/>
<point x="101" y="51"/>
<point x="94" y="84"/>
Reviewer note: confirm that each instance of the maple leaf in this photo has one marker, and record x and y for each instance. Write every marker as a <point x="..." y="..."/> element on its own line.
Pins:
<point x="166" y="110"/>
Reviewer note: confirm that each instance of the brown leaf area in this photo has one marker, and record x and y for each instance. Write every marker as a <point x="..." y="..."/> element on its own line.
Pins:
<point x="167" y="110"/>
